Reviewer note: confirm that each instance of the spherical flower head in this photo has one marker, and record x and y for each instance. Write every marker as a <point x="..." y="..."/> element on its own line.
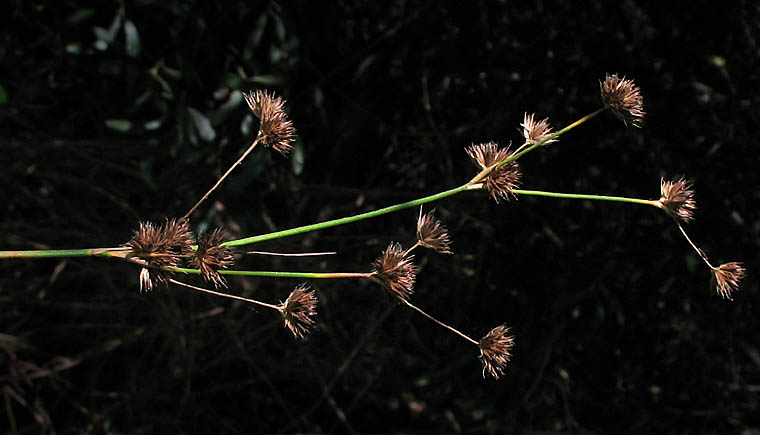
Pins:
<point x="726" y="278"/>
<point x="677" y="199"/>
<point x="536" y="132"/>
<point x="299" y="309"/>
<point x="432" y="234"/>
<point x="624" y="98"/>
<point x="211" y="256"/>
<point x="275" y="129"/>
<point x="502" y="179"/>
<point x="395" y="271"/>
<point x="494" y="351"/>
<point x="160" y="247"/>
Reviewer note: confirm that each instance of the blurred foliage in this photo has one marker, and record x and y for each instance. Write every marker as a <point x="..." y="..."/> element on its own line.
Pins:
<point x="129" y="111"/>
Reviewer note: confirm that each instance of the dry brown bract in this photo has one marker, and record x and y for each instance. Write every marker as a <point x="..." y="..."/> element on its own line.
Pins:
<point x="536" y="132"/>
<point x="677" y="199"/>
<point x="275" y="129"/>
<point x="160" y="247"/>
<point x="211" y="256"/>
<point x="299" y="309"/>
<point x="501" y="180"/>
<point x="395" y="270"/>
<point x="726" y="278"/>
<point x="623" y="97"/>
<point x="432" y="234"/>
<point x="494" y="351"/>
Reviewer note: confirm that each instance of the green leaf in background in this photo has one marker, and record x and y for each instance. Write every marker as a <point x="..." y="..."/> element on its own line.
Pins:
<point x="3" y="95"/>
<point x="80" y="15"/>
<point x="120" y="125"/>
<point x="255" y="38"/>
<point x="152" y="125"/>
<point x="297" y="158"/>
<point x="202" y="125"/>
<point x="246" y="126"/>
<point x="74" y="48"/>
<point x="132" y="39"/>
<point x="268" y="80"/>
<point x="106" y="37"/>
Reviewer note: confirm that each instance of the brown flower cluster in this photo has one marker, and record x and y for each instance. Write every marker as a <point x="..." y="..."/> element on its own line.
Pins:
<point x="494" y="351"/>
<point x="211" y="256"/>
<point x="432" y="234"/>
<point x="299" y="309"/>
<point x="677" y="199"/>
<point x="396" y="272"/>
<point x="536" y="131"/>
<point x="160" y="247"/>
<point x="501" y="180"/>
<point x="275" y="129"/>
<point x="726" y="278"/>
<point x="624" y="98"/>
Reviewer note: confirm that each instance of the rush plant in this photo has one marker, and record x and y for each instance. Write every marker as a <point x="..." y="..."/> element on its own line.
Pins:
<point x="167" y="253"/>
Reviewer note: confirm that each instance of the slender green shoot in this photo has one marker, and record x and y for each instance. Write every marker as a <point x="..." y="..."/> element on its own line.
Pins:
<point x="277" y="274"/>
<point x="589" y="197"/>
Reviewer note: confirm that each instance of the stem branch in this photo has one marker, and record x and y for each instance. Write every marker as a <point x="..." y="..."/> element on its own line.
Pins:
<point x="225" y="295"/>
<point x="421" y="311"/>
<point x="345" y="220"/>
<point x="585" y="196"/>
<point x="272" y="274"/>
<point x="220" y="180"/>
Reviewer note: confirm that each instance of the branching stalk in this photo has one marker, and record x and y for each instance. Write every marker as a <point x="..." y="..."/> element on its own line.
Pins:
<point x="455" y="331"/>
<point x="224" y="295"/>
<point x="223" y="177"/>
<point x="585" y="196"/>
<point x="278" y="274"/>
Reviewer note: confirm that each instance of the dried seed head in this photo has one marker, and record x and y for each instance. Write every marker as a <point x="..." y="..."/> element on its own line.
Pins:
<point x="726" y="278"/>
<point x="536" y="132"/>
<point x="677" y="199"/>
<point x="160" y="247"/>
<point x="395" y="270"/>
<point x="501" y="180"/>
<point x="494" y="351"/>
<point x="210" y="257"/>
<point x="275" y="129"/>
<point x="623" y="97"/>
<point x="299" y="309"/>
<point x="432" y="234"/>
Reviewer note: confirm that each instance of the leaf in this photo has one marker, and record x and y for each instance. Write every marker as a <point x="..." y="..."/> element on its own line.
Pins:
<point x="3" y="95"/>
<point x="268" y="80"/>
<point x="152" y="125"/>
<point x="255" y="39"/>
<point x="297" y="158"/>
<point x="80" y="15"/>
<point x="246" y="126"/>
<point x="120" y="125"/>
<point x="108" y="36"/>
<point x="132" y="39"/>
<point x="202" y="125"/>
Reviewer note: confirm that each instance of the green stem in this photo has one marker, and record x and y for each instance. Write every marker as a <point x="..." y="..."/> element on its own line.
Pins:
<point x="470" y="185"/>
<point x="270" y="274"/>
<point x="58" y="253"/>
<point x="484" y="173"/>
<point x="553" y="136"/>
<point x="591" y="197"/>
<point x="345" y="220"/>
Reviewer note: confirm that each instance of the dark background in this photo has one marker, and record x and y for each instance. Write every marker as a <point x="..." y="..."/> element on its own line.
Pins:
<point x="125" y="112"/>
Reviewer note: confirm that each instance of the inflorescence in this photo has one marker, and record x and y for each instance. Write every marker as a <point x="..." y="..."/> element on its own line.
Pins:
<point x="162" y="250"/>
